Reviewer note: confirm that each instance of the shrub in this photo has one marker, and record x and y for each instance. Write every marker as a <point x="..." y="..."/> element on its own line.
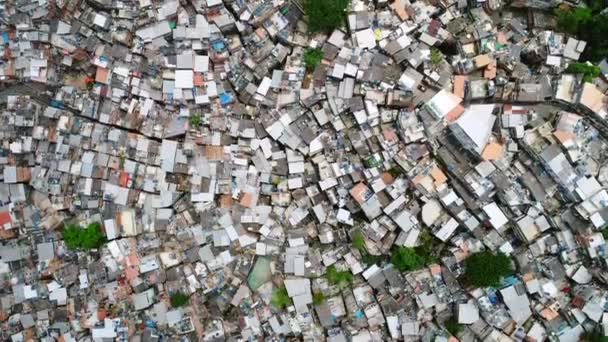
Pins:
<point x="312" y="58"/>
<point x="195" y="120"/>
<point x="486" y="269"/>
<point x="179" y="299"/>
<point x="325" y="15"/>
<point x="358" y="241"/>
<point x="75" y="237"/>
<point x="436" y="56"/>
<point x="280" y="298"/>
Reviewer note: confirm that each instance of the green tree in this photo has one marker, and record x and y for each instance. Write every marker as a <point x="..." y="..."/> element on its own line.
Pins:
<point x="92" y="237"/>
<point x="571" y="20"/>
<point x="340" y="278"/>
<point x="588" y="24"/>
<point x="605" y="233"/>
<point x="406" y="259"/>
<point x="280" y="298"/>
<point x="426" y="247"/>
<point x="452" y="326"/>
<point x="179" y="299"/>
<point x="75" y="237"/>
<point x="589" y="71"/>
<point x="593" y="336"/>
<point x="325" y="15"/>
<point x="396" y="172"/>
<point x="318" y="298"/>
<point x="369" y="259"/>
<point x="71" y="235"/>
<point x="195" y="120"/>
<point x="486" y="269"/>
<point x="436" y="56"/>
<point x="312" y="58"/>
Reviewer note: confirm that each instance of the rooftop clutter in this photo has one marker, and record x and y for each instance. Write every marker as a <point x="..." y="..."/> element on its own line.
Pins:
<point x="225" y="170"/>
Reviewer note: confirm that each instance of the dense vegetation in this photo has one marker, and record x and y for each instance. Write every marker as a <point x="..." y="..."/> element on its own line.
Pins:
<point x="408" y="259"/>
<point x="588" y="24"/>
<point x="312" y="58"/>
<point x="179" y="299"/>
<point x="280" y="298"/>
<point x="340" y="278"/>
<point x="486" y="269"/>
<point x="593" y="336"/>
<point x="452" y="326"/>
<point x="76" y="237"/>
<point x="589" y="71"/>
<point x="325" y="15"/>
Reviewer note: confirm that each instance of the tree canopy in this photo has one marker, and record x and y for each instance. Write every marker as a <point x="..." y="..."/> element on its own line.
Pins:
<point x="486" y="269"/>
<point x="179" y="299"/>
<point x="406" y="259"/>
<point x="312" y="58"/>
<point x="76" y="237"/>
<point x="436" y="56"/>
<point x="588" y="24"/>
<point x="589" y="71"/>
<point x="325" y="15"/>
<point x="336" y="277"/>
<point x="593" y="336"/>
<point x="280" y="298"/>
<point x="452" y="326"/>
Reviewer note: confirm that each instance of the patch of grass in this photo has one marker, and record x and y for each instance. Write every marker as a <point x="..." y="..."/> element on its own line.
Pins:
<point x="312" y="58"/>
<point x="179" y="299"/>
<point x="318" y="298"/>
<point x="280" y="298"/>
<point x="358" y="241"/>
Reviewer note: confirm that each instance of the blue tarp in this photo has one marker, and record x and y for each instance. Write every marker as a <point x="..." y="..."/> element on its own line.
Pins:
<point x="225" y="98"/>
